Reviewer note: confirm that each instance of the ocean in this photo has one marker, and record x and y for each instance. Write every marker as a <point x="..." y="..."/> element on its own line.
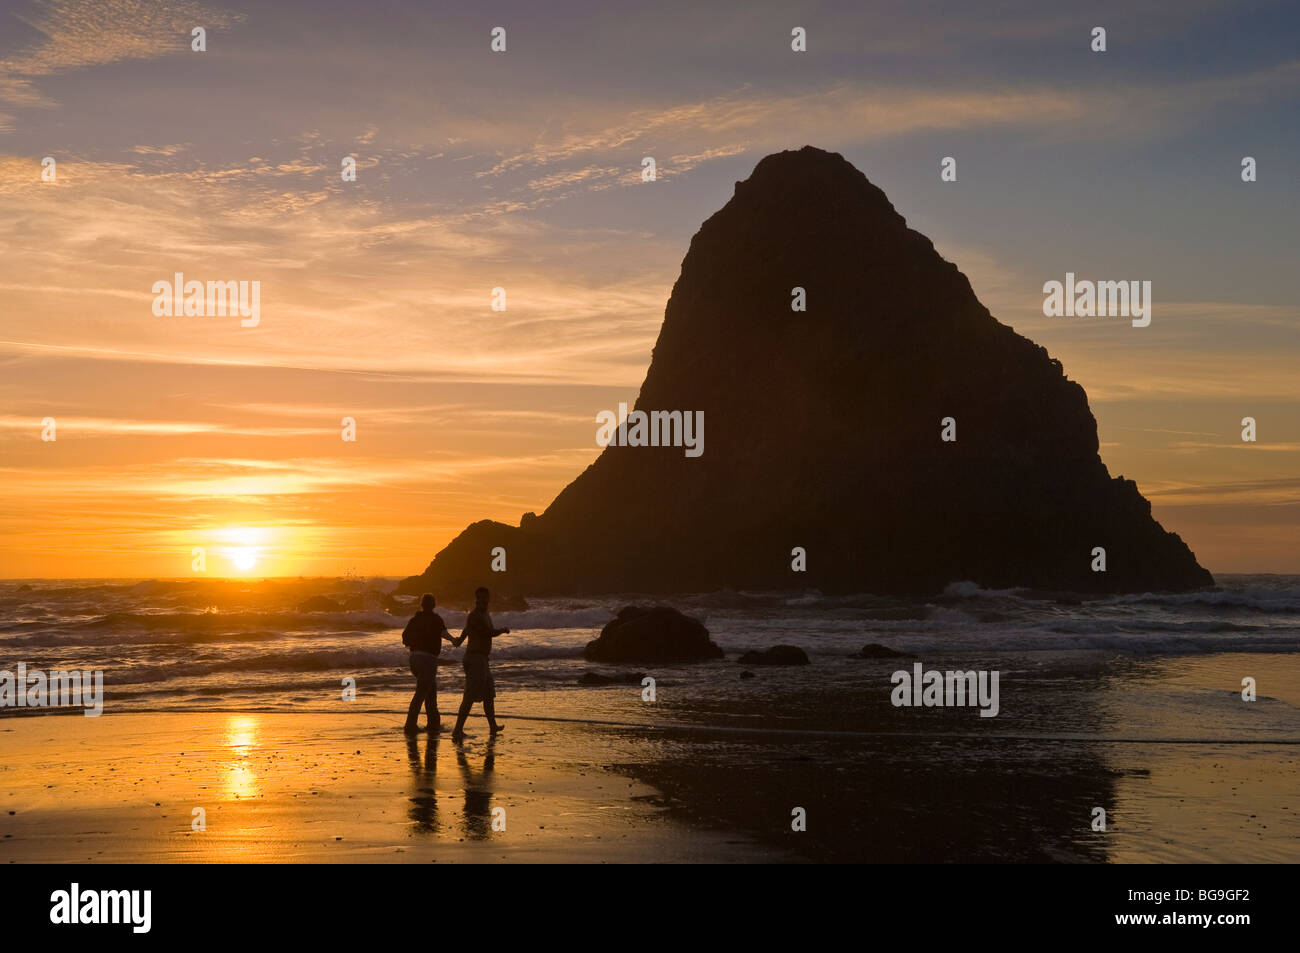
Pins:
<point x="186" y="645"/>
<point x="1135" y="706"/>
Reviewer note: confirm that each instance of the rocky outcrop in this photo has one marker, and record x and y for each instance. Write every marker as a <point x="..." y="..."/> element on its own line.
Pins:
<point x="876" y="650"/>
<point x="652" y="634"/>
<point x="776" y="655"/>
<point x="373" y="599"/>
<point x="823" y="430"/>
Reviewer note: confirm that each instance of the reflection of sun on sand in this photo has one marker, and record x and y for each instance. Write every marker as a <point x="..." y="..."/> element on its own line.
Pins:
<point x="241" y="738"/>
<point x="320" y="788"/>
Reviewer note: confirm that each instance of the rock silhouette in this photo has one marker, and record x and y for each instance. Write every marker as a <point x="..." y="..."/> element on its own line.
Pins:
<point x="876" y="650"/>
<point x="652" y="634"/>
<point x="823" y="430"/>
<point x="776" y="655"/>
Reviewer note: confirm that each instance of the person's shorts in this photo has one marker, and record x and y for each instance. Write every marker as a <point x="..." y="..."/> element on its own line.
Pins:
<point x="479" y="685"/>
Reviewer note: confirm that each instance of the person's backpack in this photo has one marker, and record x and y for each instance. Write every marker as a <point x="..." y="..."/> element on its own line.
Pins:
<point x="408" y="632"/>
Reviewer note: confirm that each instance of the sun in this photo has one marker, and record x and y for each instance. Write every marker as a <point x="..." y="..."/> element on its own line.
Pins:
<point x="244" y="546"/>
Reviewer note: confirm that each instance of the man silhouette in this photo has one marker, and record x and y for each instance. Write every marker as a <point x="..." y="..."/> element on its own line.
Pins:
<point x="479" y="685"/>
<point x="423" y="635"/>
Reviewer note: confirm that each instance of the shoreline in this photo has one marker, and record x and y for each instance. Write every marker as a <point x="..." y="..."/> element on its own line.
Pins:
<point x="285" y="787"/>
<point x="310" y="788"/>
<point x="1183" y="768"/>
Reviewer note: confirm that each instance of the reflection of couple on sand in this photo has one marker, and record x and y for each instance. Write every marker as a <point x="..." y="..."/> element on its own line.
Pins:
<point x="423" y="811"/>
<point x="423" y="635"/>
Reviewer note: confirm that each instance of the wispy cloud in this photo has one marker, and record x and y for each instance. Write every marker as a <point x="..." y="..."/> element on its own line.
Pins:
<point x="1285" y="490"/>
<point x="74" y="427"/>
<point x="77" y="34"/>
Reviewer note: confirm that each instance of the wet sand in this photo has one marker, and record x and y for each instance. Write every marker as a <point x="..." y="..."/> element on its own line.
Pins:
<point x="1183" y="768"/>
<point x="316" y="788"/>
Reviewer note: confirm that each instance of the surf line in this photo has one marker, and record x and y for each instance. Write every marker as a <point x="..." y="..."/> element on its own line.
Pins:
<point x="820" y="733"/>
<point x="847" y="735"/>
<point x="829" y="735"/>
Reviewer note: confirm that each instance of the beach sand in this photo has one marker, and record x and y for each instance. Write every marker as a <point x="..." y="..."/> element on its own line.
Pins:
<point x="1185" y="770"/>
<point x="320" y="788"/>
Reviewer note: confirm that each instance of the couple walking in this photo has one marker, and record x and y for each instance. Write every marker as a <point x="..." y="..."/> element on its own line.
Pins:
<point x="423" y="635"/>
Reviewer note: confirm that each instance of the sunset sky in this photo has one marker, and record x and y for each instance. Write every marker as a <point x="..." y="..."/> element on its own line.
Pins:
<point x="522" y="169"/>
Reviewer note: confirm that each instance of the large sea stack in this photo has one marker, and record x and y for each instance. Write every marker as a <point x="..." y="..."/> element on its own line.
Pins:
<point x="822" y="430"/>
